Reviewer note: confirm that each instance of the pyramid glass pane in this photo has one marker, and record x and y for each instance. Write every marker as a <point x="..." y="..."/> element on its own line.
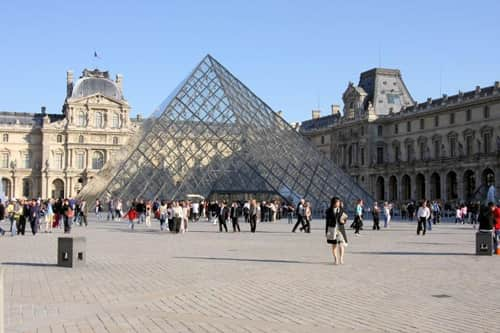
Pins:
<point x="213" y="134"/>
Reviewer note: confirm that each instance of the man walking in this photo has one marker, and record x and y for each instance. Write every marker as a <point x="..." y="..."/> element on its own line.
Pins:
<point x="223" y="216"/>
<point x="301" y="212"/>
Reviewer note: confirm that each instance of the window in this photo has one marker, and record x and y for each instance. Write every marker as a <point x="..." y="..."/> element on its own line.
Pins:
<point x="487" y="142"/>
<point x="380" y="130"/>
<point x="4" y="160"/>
<point x="59" y="138"/>
<point x="27" y="160"/>
<point x="408" y="126"/>
<point x="26" y="188"/>
<point x="422" y="150"/>
<point x="409" y="152"/>
<point x="469" y="142"/>
<point x="97" y="160"/>
<point x="80" y="139"/>
<point x="82" y="119"/>
<point x="380" y="155"/>
<point x="99" y="120"/>
<point x="486" y="112"/>
<point x="452" y="118"/>
<point x="58" y="160"/>
<point x="322" y="139"/>
<point x="397" y="153"/>
<point x="362" y="131"/>
<point x="80" y="161"/>
<point x="422" y="124"/>
<point x="396" y="128"/>
<point x="5" y="137"/>
<point x="437" y="149"/>
<point x="453" y="147"/>
<point x="362" y="153"/>
<point x="393" y="99"/>
<point x="115" y="140"/>
<point x="436" y="121"/>
<point x="115" y="121"/>
<point x="468" y="115"/>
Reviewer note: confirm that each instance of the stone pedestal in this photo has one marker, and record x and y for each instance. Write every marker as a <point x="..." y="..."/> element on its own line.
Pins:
<point x="71" y="251"/>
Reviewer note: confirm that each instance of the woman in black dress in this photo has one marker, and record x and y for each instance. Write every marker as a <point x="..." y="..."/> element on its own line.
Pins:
<point x="335" y="230"/>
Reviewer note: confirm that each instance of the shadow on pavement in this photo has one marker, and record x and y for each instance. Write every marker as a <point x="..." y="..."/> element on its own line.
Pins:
<point x="33" y="264"/>
<point x="405" y="253"/>
<point x="273" y="261"/>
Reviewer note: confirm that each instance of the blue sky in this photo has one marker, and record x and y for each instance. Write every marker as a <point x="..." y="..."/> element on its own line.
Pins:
<point x="293" y="54"/>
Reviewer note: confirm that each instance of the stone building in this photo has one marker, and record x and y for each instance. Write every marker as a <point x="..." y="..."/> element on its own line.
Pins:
<point x="399" y="150"/>
<point x="55" y="155"/>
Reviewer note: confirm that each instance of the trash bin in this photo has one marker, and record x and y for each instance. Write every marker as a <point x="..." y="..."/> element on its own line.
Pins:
<point x="484" y="244"/>
<point x="71" y="251"/>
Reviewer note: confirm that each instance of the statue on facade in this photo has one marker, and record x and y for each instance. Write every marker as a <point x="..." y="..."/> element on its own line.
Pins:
<point x="46" y="163"/>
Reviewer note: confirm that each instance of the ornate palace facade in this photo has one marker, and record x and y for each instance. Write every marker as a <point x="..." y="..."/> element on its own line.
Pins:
<point x="55" y="155"/>
<point x="399" y="150"/>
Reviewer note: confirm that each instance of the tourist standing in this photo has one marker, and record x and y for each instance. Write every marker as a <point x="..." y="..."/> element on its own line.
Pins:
<point x="111" y="210"/>
<point x="223" y="216"/>
<point x="131" y="215"/>
<point x="195" y="206"/>
<point x="376" y="216"/>
<point x="178" y="216"/>
<point x="358" y="218"/>
<point x="84" y="212"/>
<point x="163" y="214"/>
<point x="234" y="216"/>
<point x="423" y="214"/>
<point x="49" y="216"/>
<point x="67" y="215"/>
<point x="387" y="214"/>
<point x="34" y="216"/>
<point x="335" y="229"/>
<point x="185" y="216"/>
<point x="2" y="216"/>
<point x="253" y="215"/>
<point x="307" y="217"/>
<point x="148" y="214"/>
<point x="246" y="211"/>
<point x="98" y="209"/>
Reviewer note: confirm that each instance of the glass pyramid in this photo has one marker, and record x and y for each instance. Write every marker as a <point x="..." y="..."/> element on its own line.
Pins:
<point x="212" y="134"/>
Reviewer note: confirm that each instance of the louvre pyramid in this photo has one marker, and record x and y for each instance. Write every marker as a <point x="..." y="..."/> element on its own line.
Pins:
<point x="212" y="134"/>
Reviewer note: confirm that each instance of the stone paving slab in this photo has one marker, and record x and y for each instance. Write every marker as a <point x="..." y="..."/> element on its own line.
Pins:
<point x="271" y="281"/>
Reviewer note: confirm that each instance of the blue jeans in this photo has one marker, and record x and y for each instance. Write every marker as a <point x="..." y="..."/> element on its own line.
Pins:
<point x="429" y="224"/>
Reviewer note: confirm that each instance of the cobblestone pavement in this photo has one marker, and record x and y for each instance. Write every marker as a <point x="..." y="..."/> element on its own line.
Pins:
<point x="271" y="281"/>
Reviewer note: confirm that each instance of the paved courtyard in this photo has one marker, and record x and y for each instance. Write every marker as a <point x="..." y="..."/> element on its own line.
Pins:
<point x="271" y="281"/>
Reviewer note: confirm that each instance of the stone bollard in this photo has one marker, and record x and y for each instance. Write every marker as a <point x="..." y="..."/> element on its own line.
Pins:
<point x="71" y="251"/>
<point x="1" y="301"/>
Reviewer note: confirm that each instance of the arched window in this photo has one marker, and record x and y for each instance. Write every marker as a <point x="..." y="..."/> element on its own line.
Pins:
<point x="80" y="139"/>
<point x="97" y="160"/>
<point x="59" y="138"/>
<point x="99" y="120"/>
<point x="115" y="120"/>
<point x="4" y="160"/>
<point x="82" y="119"/>
<point x="115" y="140"/>
<point x="5" y="137"/>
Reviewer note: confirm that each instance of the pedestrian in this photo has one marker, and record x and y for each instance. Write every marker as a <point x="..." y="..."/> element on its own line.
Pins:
<point x="98" y="209"/>
<point x="2" y="216"/>
<point x="358" y="218"/>
<point x="148" y="213"/>
<point x="301" y="213"/>
<point x="34" y="217"/>
<point x="185" y="216"/>
<point x="496" y="215"/>
<point x="178" y="216"/>
<point x="387" y="214"/>
<point x="163" y="214"/>
<point x="376" y="216"/>
<point x="307" y="217"/>
<point x="253" y="212"/>
<point x="234" y="216"/>
<point x="223" y="216"/>
<point x="67" y="215"/>
<point x="49" y="216"/>
<point x="335" y="229"/>
<point x="131" y="215"/>
<point x="423" y="214"/>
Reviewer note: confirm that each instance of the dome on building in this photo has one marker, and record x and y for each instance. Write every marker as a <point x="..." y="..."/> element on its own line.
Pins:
<point x="92" y="82"/>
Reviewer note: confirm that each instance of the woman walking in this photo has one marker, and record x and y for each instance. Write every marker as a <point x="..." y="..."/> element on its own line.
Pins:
<point x="358" y="218"/>
<point x="253" y="215"/>
<point x="335" y="230"/>
<point x="387" y="214"/>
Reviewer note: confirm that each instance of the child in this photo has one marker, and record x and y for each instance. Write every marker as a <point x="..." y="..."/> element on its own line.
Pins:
<point x="132" y="215"/>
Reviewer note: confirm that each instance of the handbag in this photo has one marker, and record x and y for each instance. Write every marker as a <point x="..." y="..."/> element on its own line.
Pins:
<point x="331" y="233"/>
<point x="343" y="218"/>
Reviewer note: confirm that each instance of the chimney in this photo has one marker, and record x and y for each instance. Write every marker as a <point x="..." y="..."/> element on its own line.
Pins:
<point x="69" y="83"/>
<point x="119" y="82"/>
<point x="316" y="114"/>
<point x="335" y="109"/>
<point x="477" y="91"/>
<point x="139" y="117"/>
<point x="280" y="113"/>
<point x="43" y="109"/>
<point x="497" y="85"/>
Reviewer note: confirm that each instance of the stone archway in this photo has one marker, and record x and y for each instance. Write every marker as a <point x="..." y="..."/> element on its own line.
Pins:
<point x="57" y="189"/>
<point x="488" y="177"/>
<point x="420" y="186"/>
<point x="393" y="188"/>
<point x="435" y="186"/>
<point x="406" y="187"/>
<point x="469" y="185"/>
<point x="380" y="189"/>
<point x="451" y="185"/>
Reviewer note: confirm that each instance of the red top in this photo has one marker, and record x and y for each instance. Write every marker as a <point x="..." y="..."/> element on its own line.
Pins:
<point x="496" y="213"/>
<point x="132" y="214"/>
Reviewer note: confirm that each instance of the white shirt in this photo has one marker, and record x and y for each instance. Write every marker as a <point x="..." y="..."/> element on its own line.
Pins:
<point x="196" y="207"/>
<point x="423" y="212"/>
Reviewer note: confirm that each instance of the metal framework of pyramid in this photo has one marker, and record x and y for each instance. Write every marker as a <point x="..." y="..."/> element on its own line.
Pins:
<point x="212" y="134"/>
